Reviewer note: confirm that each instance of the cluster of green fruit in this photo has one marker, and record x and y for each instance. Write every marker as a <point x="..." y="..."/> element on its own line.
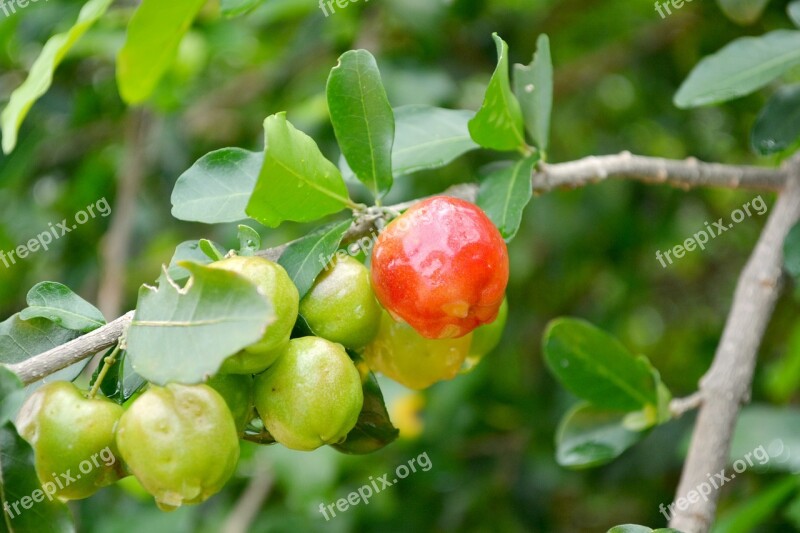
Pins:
<point x="432" y="305"/>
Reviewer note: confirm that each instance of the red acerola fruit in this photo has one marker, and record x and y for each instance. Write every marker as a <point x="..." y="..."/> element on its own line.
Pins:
<point x="442" y="267"/>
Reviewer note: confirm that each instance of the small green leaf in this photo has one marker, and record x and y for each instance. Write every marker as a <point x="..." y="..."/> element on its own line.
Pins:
<point x="41" y="75"/>
<point x="743" y="11"/>
<point x="504" y="193"/>
<point x="121" y="381"/>
<point x="307" y="257"/>
<point x="217" y="187"/>
<point x="18" y="480"/>
<point x="234" y="8"/>
<point x="533" y="86"/>
<point x="741" y="67"/>
<point x="184" y="334"/>
<point x="210" y="250"/>
<point x="374" y="429"/>
<point x="56" y="302"/>
<point x="778" y="125"/>
<point x="791" y="252"/>
<point x="591" y="436"/>
<point x="757" y="510"/>
<point x="249" y="240"/>
<point x="362" y="119"/>
<point x="296" y="182"/>
<point x="498" y="124"/>
<point x="630" y="528"/>
<point x="189" y="251"/>
<point x="596" y="367"/>
<point x="154" y="33"/>
<point x="793" y="10"/>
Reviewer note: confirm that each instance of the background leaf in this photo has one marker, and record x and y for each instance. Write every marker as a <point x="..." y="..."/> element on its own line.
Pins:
<point x="9" y="384"/>
<point x="234" y="8"/>
<point x="296" y="182"/>
<point x="306" y="258"/>
<point x="778" y="125"/>
<point x="505" y="192"/>
<point x="743" y="11"/>
<point x="362" y="119"/>
<point x="791" y="252"/>
<point x="184" y="335"/>
<point x="596" y="367"/>
<point x="757" y="510"/>
<point x="793" y="10"/>
<point x="498" y="123"/>
<point x="217" y="187"/>
<point x="374" y="429"/>
<point x="57" y="303"/>
<point x="776" y="429"/>
<point x="739" y="68"/>
<point x="533" y="86"/>
<point x="154" y="33"/>
<point x="41" y="75"/>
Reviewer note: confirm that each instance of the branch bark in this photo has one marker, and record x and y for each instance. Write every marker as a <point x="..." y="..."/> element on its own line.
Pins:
<point x="726" y="385"/>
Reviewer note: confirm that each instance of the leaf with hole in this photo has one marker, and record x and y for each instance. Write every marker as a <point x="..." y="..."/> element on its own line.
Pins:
<point x="778" y="125"/>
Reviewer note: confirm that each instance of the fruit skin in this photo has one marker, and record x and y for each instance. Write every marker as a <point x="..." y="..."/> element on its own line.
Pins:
<point x="442" y="267"/>
<point x="341" y="306"/>
<point x="67" y="431"/>
<point x="311" y="396"/>
<point x="180" y="442"/>
<point x="486" y="338"/>
<point x="402" y="354"/>
<point x="274" y="283"/>
<point x="237" y="391"/>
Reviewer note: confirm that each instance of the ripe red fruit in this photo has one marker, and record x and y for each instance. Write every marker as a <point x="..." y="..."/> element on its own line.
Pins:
<point x="442" y="267"/>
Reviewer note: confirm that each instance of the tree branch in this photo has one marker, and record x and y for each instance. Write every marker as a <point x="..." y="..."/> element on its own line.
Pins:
<point x="726" y="385"/>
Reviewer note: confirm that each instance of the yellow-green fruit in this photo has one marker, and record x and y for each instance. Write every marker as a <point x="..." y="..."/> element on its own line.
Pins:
<point x="237" y="391"/>
<point x="311" y="396"/>
<point x="274" y="283"/>
<point x="341" y="306"/>
<point x="180" y="442"/>
<point x="72" y="439"/>
<point x="485" y="338"/>
<point x="402" y="354"/>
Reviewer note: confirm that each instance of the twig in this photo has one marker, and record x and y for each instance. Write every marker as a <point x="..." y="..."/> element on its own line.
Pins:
<point x="246" y="509"/>
<point x="680" y="406"/>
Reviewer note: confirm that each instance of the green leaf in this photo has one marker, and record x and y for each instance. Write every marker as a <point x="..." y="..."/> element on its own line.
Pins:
<point x="18" y="480"/>
<point x="791" y="252"/>
<point x="56" y="302"/>
<point x="533" y="86"/>
<point x="304" y="259"/>
<point x="9" y="384"/>
<point x="374" y="429"/>
<point x="767" y="438"/>
<point x="210" y="250"/>
<point x="498" y="123"/>
<point x="22" y="339"/>
<point x="590" y="436"/>
<point x="121" y="381"/>
<point x="782" y="376"/>
<point x="249" y="240"/>
<point x="362" y="119"/>
<point x="633" y="528"/>
<point x="296" y="181"/>
<point x="596" y="367"/>
<point x="234" y="8"/>
<point x="184" y="334"/>
<point x="154" y="33"/>
<point x="758" y="510"/>
<point x="189" y="251"/>
<point x="504" y="193"/>
<point x="41" y="75"/>
<point x="217" y="187"/>
<point x="743" y="11"/>
<point x="793" y="10"/>
<point x="778" y="125"/>
<point x="741" y="67"/>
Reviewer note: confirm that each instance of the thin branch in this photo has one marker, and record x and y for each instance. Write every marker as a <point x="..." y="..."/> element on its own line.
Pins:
<point x="680" y="406"/>
<point x="247" y="508"/>
<point x="726" y="385"/>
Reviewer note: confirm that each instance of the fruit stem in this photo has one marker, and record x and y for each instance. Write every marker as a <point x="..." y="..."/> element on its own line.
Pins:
<point x="108" y="362"/>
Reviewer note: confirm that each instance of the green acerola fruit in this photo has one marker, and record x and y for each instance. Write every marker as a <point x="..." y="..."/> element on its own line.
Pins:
<point x="486" y="338"/>
<point x="72" y="439"/>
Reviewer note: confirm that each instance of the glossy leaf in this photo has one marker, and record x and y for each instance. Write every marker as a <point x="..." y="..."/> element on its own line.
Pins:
<point x="234" y="8"/>
<point x="504" y="193"/>
<point x="596" y="367"/>
<point x="590" y="436"/>
<point x="121" y="382"/>
<point x="739" y="68"/>
<point x="743" y="11"/>
<point x="362" y="119"/>
<point x="217" y="187"/>
<point x="533" y="86"/>
<point x="374" y="429"/>
<point x="498" y="124"/>
<point x="184" y="334"/>
<point x="41" y="75"/>
<point x="296" y="182"/>
<point x="778" y="125"/>
<point x="57" y="303"/>
<point x="307" y="257"/>
<point x="189" y="251"/>
<point x="154" y="33"/>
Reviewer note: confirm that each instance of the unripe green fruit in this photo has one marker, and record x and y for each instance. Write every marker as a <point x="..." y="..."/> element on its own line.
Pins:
<point x="274" y="283"/>
<point x="341" y="306"/>
<point x="485" y="338"/>
<point x="311" y="396"/>
<point x="237" y="391"/>
<point x="72" y="439"/>
<point x="180" y="442"/>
